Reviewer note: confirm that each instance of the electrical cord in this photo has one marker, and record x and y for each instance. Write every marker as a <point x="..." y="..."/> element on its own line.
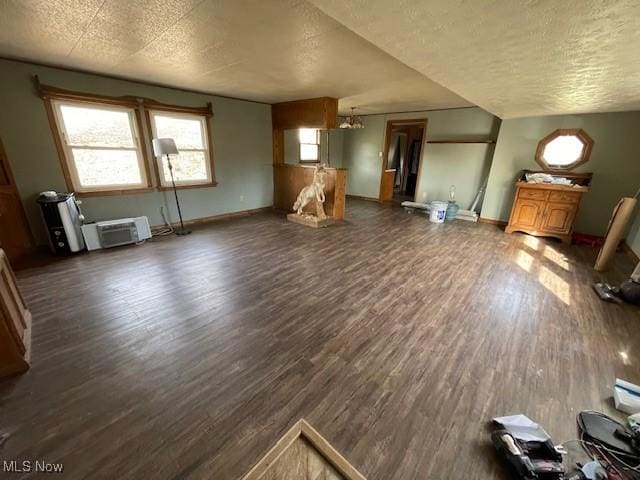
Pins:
<point x="609" y="458"/>
<point x="600" y="449"/>
<point x="610" y="450"/>
<point x="167" y="229"/>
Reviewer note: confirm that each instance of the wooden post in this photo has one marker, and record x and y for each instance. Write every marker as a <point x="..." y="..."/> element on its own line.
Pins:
<point x="278" y="147"/>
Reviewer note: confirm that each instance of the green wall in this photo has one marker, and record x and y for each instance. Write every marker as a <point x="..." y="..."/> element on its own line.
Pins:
<point x="361" y="159"/>
<point x="614" y="161"/>
<point x="241" y="140"/>
<point x="443" y="165"/>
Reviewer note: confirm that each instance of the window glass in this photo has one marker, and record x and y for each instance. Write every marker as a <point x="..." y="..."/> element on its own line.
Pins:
<point x="187" y="167"/>
<point x="308" y="135"/>
<point x="192" y="164"/>
<point x="102" y="150"/>
<point x="106" y="167"/>
<point x="563" y="150"/>
<point x="308" y="151"/>
<point x="187" y="132"/>
<point x="97" y="127"/>
<point x="309" y="145"/>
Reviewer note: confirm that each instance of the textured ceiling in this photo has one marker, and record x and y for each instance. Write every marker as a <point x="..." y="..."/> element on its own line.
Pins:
<point x="513" y="58"/>
<point x="265" y="50"/>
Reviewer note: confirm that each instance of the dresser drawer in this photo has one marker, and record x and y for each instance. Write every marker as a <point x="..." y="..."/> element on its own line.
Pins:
<point x="564" y="197"/>
<point x="532" y="194"/>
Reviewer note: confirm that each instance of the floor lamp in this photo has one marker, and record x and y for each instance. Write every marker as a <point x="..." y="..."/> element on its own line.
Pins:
<point x="167" y="147"/>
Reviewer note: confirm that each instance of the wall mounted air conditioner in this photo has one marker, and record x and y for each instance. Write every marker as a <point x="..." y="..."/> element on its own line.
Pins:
<point x="114" y="233"/>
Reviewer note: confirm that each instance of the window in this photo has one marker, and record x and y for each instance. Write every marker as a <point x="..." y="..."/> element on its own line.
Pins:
<point x="102" y="147"/>
<point x="193" y="165"/>
<point x="564" y="149"/>
<point x="309" y="145"/>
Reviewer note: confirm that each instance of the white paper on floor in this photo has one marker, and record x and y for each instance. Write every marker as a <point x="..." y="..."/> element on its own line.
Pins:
<point x="523" y="428"/>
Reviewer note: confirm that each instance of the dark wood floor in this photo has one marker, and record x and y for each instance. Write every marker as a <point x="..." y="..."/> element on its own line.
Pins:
<point x="397" y="339"/>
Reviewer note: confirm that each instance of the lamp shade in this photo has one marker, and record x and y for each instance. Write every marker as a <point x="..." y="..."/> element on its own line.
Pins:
<point x="164" y="146"/>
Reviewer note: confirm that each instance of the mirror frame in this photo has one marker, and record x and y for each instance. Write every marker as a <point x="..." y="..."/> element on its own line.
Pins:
<point x="577" y="132"/>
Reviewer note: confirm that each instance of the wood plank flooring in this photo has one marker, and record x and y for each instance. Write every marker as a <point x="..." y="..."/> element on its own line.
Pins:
<point x="301" y="461"/>
<point x="188" y="357"/>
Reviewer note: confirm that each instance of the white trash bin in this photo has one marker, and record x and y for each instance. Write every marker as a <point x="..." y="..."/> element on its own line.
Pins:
<point x="438" y="212"/>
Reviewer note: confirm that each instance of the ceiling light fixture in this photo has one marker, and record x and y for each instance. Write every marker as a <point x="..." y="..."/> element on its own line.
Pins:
<point x="352" y="121"/>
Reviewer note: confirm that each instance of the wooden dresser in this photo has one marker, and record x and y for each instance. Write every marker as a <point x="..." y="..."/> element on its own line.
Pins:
<point x="547" y="210"/>
<point x="15" y="323"/>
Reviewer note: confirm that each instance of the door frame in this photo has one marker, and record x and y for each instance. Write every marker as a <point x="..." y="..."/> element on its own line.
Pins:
<point x="11" y="188"/>
<point x="387" y="143"/>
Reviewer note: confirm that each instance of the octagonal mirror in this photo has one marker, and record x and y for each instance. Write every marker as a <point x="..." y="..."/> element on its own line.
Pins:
<point x="564" y="149"/>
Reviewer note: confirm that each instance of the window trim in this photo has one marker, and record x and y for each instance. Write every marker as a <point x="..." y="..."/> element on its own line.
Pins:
<point x="141" y="106"/>
<point x="50" y="97"/>
<point x="317" y="160"/>
<point x="205" y="117"/>
<point x="580" y="134"/>
<point x="139" y="149"/>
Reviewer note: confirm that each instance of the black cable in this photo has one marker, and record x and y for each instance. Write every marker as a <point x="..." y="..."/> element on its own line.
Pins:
<point x="609" y="456"/>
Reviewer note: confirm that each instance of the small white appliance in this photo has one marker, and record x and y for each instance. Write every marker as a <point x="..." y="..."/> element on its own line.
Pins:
<point x="113" y="233"/>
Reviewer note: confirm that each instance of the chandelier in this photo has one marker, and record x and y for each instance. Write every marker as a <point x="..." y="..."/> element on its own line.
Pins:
<point x="352" y="121"/>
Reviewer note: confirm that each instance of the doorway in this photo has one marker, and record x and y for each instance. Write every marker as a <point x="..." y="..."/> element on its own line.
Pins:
<point x="15" y="236"/>
<point x="402" y="160"/>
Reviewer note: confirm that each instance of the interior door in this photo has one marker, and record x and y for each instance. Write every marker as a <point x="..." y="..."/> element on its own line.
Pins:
<point x="558" y="217"/>
<point x="386" y="187"/>
<point x="15" y="236"/>
<point x="527" y="213"/>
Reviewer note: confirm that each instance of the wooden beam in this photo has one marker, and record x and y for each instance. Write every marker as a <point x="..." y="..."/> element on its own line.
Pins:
<point x="278" y="147"/>
<point x="310" y="113"/>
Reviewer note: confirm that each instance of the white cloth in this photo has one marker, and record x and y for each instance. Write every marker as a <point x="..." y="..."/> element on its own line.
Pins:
<point x="523" y="428"/>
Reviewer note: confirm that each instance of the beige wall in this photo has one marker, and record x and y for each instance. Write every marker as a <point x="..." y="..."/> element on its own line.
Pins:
<point x="443" y="165"/>
<point x="615" y="163"/>
<point x="241" y="143"/>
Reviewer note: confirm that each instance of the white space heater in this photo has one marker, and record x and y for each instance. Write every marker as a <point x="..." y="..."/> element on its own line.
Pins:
<point x="114" y="233"/>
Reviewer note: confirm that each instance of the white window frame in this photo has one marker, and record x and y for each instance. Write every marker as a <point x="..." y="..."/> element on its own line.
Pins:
<point x="204" y="132"/>
<point x="317" y="159"/>
<point x="68" y="148"/>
